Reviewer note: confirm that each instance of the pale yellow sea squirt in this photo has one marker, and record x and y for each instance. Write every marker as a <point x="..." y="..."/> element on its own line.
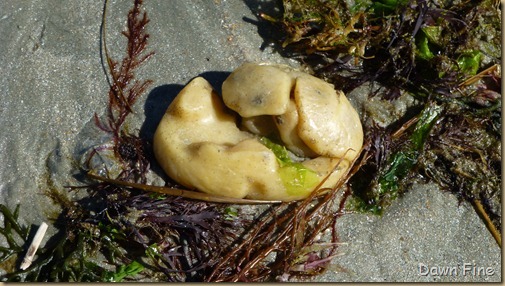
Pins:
<point x="219" y="145"/>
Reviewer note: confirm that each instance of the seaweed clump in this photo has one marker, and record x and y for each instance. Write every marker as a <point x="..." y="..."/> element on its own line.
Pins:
<point x="446" y="56"/>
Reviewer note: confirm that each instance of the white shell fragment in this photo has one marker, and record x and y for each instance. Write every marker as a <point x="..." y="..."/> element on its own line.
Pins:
<point x="32" y="249"/>
<point x="199" y="143"/>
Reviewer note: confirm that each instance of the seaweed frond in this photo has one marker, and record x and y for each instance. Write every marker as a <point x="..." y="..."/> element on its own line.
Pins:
<point x="124" y="88"/>
<point x="15" y="234"/>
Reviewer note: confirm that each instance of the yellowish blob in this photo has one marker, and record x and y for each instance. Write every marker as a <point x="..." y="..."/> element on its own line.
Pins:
<point x="199" y="144"/>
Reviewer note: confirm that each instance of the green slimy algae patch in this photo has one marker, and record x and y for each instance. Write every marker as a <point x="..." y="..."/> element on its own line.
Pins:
<point x="298" y="179"/>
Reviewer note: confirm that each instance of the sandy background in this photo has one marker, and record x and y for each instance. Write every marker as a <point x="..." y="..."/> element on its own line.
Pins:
<point x="52" y="82"/>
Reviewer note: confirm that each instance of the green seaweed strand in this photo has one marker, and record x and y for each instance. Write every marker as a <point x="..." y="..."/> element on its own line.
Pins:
<point x="404" y="160"/>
